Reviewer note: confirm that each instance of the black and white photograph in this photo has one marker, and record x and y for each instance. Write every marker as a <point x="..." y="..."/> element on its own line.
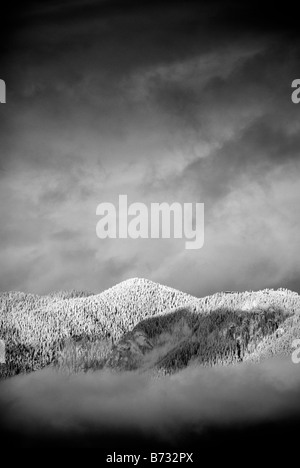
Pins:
<point x="150" y="231"/>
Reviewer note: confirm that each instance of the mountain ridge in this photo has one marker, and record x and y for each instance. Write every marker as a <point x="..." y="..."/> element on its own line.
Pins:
<point x="36" y="328"/>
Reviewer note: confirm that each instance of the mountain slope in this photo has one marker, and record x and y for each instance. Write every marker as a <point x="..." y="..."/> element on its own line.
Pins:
<point x="36" y="328"/>
<point x="170" y="342"/>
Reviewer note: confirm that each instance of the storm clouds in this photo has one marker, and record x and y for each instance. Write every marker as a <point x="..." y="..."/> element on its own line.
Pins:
<point x="162" y="101"/>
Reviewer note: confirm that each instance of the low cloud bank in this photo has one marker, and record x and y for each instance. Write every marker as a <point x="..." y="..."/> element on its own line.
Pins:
<point x="195" y="398"/>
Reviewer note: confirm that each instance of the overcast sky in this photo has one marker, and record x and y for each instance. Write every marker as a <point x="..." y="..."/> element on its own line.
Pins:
<point x="163" y="101"/>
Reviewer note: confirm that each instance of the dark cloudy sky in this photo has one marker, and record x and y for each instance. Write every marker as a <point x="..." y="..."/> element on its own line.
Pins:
<point x="163" y="101"/>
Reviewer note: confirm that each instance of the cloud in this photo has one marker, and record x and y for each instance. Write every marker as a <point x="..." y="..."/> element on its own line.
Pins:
<point x="164" y="103"/>
<point x="47" y="402"/>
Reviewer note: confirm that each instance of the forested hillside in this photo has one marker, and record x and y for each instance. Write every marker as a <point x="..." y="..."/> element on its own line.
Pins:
<point x="79" y="329"/>
<point x="172" y="341"/>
